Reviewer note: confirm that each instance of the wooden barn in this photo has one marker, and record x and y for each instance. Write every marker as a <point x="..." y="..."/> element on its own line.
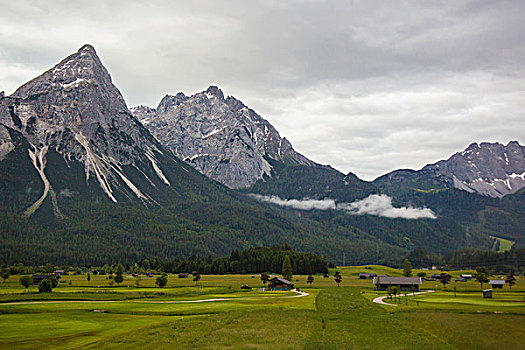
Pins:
<point x="497" y="284"/>
<point x="403" y="283"/>
<point x="279" y="283"/>
<point x="39" y="278"/>
<point x="367" y="276"/>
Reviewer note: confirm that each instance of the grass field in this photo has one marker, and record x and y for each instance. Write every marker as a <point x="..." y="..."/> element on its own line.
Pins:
<point x="97" y="315"/>
<point x="502" y="244"/>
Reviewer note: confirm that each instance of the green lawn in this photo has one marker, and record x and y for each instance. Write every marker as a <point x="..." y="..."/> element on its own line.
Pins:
<point x="330" y="317"/>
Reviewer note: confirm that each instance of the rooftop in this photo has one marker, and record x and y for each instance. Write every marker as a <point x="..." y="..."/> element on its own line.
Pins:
<point x="280" y="279"/>
<point x="497" y="282"/>
<point x="397" y="280"/>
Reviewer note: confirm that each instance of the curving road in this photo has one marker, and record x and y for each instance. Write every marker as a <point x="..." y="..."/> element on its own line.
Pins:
<point x="299" y="294"/>
<point x="379" y="300"/>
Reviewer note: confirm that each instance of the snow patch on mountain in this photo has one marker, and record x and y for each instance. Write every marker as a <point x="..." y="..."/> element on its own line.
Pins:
<point x="38" y="158"/>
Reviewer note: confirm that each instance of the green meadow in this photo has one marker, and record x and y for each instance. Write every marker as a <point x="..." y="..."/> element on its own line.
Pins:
<point x="217" y="314"/>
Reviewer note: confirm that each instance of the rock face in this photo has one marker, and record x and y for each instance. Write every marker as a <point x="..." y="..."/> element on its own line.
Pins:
<point x="490" y="169"/>
<point x="74" y="119"/>
<point x="220" y="137"/>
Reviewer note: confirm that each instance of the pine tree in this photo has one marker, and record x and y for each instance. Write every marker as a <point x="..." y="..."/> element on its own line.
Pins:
<point x="510" y="279"/>
<point x="338" y="278"/>
<point x="118" y="275"/>
<point x="407" y="268"/>
<point x="310" y="280"/>
<point x="287" y="268"/>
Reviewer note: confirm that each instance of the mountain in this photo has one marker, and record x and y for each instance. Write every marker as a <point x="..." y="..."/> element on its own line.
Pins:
<point x="480" y="188"/>
<point x="230" y="143"/>
<point x="82" y="181"/>
<point x="68" y="133"/>
<point x="221" y="137"/>
<point x="489" y="169"/>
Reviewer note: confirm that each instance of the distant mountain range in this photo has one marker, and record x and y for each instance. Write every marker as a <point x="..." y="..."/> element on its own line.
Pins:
<point x="490" y="169"/>
<point x="85" y="179"/>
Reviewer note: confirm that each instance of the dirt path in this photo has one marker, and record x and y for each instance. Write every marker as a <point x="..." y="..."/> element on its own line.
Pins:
<point x="299" y="294"/>
<point x="379" y="300"/>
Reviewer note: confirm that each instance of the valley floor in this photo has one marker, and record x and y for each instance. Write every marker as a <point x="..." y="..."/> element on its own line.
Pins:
<point x="329" y="317"/>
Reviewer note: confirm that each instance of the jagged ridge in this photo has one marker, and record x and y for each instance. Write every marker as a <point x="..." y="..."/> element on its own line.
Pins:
<point x="221" y="137"/>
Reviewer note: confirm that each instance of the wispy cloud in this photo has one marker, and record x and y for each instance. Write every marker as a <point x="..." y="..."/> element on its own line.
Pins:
<point x="381" y="205"/>
<point x="303" y="204"/>
<point x="375" y="204"/>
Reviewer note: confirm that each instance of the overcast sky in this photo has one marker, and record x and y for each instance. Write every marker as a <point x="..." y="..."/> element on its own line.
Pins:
<point x="365" y="86"/>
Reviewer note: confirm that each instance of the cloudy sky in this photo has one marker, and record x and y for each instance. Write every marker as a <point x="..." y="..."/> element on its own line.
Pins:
<point x="365" y="86"/>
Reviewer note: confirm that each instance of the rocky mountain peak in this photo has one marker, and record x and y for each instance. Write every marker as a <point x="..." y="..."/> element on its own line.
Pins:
<point x="74" y="110"/>
<point x="222" y="138"/>
<point x="490" y="169"/>
<point x="170" y="101"/>
<point x="78" y="70"/>
<point x="214" y="91"/>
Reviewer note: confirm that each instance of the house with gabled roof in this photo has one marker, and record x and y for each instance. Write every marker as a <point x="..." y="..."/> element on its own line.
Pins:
<point x="279" y="283"/>
<point x="497" y="283"/>
<point x="403" y="283"/>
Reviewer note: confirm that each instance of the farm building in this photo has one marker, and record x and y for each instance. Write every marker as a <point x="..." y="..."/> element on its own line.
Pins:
<point x="367" y="276"/>
<point x="497" y="283"/>
<point x="466" y="276"/>
<point x="279" y="283"/>
<point x="183" y="275"/>
<point x="39" y="278"/>
<point x="403" y="283"/>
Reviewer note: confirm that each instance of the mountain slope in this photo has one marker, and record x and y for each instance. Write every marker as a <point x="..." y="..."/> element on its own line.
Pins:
<point x="480" y="188"/>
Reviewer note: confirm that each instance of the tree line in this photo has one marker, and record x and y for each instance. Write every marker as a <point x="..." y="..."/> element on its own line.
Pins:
<point x="495" y="262"/>
<point x="250" y="260"/>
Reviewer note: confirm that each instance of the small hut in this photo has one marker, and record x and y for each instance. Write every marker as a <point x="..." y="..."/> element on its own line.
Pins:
<point x="39" y="278"/>
<point x="279" y="283"/>
<point x="367" y="276"/>
<point x="497" y="283"/>
<point x="403" y="283"/>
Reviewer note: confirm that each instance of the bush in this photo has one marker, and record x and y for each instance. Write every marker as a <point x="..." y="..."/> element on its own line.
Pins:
<point x="26" y="281"/>
<point x="162" y="280"/>
<point x="45" y="286"/>
<point x="54" y="282"/>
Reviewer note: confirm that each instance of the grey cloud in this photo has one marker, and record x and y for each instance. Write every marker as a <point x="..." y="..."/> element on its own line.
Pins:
<point x="366" y="86"/>
<point x="378" y="205"/>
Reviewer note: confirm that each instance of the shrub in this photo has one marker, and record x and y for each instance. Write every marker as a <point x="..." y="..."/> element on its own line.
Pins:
<point x="45" y="286"/>
<point x="26" y="281"/>
<point x="162" y="280"/>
